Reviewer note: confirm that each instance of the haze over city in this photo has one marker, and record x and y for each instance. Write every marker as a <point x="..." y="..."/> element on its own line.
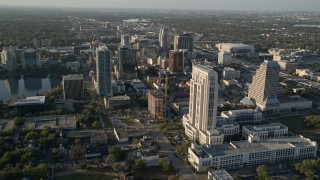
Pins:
<point x="276" y="5"/>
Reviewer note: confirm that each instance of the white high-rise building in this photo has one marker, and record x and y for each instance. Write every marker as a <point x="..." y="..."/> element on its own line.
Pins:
<point x="201" y="121"/>
<point x="104" y="76"/>
<point x="8" y="58"/>
<point x="164" y="39"/>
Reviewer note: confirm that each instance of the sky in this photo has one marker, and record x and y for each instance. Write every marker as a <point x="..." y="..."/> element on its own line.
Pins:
<point x="273" y="5"/>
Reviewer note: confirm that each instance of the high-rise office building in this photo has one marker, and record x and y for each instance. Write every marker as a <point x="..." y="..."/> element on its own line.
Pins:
<point x="127" y="63"/>
<point x="8" y="58"/>
<point x="177" y="60"/>
<point x="104" y="76"/>
<point x="30" y="59"/>
<point x="73" y="87"/>
<point x="125" y="40"/>
<point x="201" y="121"/>
<point x="157" y="103"/>
<point x="151" y="51"/>
<point x="164" y="39"/>
<point x="53" y="57"/>
<point x="184" y="41"/>
<point x="264" y="87"/>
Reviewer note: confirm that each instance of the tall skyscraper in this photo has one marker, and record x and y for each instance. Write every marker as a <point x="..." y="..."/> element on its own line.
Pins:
<point x="264" y="87"/>
<point x="104" y="76"/>
<point x="176" y="60"/>
<point x="184" y="41"/>
<point x="164" y="39"/>
<point x="201" y="121"/>
<point x="127" y="63"/>
<point x="30" y="59"/>
<point x="125" y="40"/>
<point x="8" y="58"/>
<point x="73" y="87"/>
<point x="54" y="57"/>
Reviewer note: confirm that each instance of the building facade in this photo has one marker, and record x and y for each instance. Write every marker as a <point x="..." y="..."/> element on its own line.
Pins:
<point x="230" y="73"/>
<point x="238" y="154"/>
<point x="224" y="58"/>
<point x="9" y="59"/>
<point x="183" y="41"/>
<point x="73" y="87"/>
<point x="53" y="57"/>
<point x="201" y="121"/>
<point x="103" y="69"/>
<point x="243" y="116"/>
<point x="264" y="87"/>
<point x="164" y="39"/>
<point x="30" y="59"/>
<point x="271" y="130"/>
<point x="176" y="60"/>
<point x="157" y="103"/>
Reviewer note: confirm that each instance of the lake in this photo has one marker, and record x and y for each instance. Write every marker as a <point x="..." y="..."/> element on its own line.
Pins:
<point x="26" y="86"/>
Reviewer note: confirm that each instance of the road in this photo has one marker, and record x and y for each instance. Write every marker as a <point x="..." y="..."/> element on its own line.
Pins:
<point x="167" y="149"/>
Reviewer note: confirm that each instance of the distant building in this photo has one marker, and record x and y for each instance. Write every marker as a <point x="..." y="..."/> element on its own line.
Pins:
<point x="228" y="128"/>
<point x="271" y="130"/>
<point x="176" y="60"/>
<point x="103" y="69"/>
<point x="127" y="63"/>
<point x="264" y="87"/>
<point x="46" y="42"/>
<point x="243" y="116"/>
<point x="73" y="87"/>
<point x="125" y="41"/>
<point x="157" y="103"/>
<point x="30" y="59"/>
<point x="230" y="73"/>
<point x="164" y="39"/>
<point x="236" y="48"/>
<point x="9" y="59"/>
<point x="151" y="51"/>
<point x="73" y="66"/>
<point x="32" y="103"/>
<point x="255" y="151"/>
<point x="183" y="41"/>
<point x="224" y="58"/>
<point x="53" y="57"/>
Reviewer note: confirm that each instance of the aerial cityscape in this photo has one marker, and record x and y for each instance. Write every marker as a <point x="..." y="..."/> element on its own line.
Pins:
<point x="140" y="91"/>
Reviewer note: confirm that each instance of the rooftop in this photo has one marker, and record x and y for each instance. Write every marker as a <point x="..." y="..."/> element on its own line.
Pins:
<point x="241" y="111"/>
<point x="219" y="175"/>
<point x="32" y="100"/>
<point x="289" y="99"/>
<point x="73" y="77"/>
<point x="157" y="93"/>
<point x="269" y="63"/>
<point x="119" y="98"/>
<point x="54" y="122"/>
<point x="271" y="127"/>
<point x="239" y="147"/>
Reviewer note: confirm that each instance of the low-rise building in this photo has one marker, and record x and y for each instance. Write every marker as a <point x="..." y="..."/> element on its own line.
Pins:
<point x="125" y="135"/>
<point x="271" y="130"/>
<point x="66" y="122"/>
<point x="149" y="157"/>
<point x="227" y="128"/>
<point x="230" y="73"/>
<point x="243" y="116"/>
<point x="116" y="101"/>
<point x="219" y="175"/>
<point x="252" y="152"/>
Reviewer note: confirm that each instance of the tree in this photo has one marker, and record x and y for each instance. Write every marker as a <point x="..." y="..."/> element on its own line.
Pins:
<point x="117" y="152"/>
<point x="165" y="166"/>
<point x="262" y="172"/>
<point x="32" y="135"/>
<point x="95" y="125"/>
<point x="18" y="121"/>
<point x="110" y="159"/>
<point x="139" y="164"/>
<point x="308" y="167"/>
<point x="76" y="151"/>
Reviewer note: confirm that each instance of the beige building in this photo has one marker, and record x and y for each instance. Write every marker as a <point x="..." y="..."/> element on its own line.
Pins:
<point x="243" y="116"/>
<point x="271" y="130"/>
<point x="116" y="101"/>
<point x="157" y="103"/>
<point x="264" y="87"/>
<point x="200" y="123"/>
<point x="254" y="151"/>
<point x="224" y="58"/>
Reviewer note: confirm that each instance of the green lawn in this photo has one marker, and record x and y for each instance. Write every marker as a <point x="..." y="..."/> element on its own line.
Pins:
<point x="297" y="125"/>
<point x="86" y="176"/>
<point x="152" y="173"/>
